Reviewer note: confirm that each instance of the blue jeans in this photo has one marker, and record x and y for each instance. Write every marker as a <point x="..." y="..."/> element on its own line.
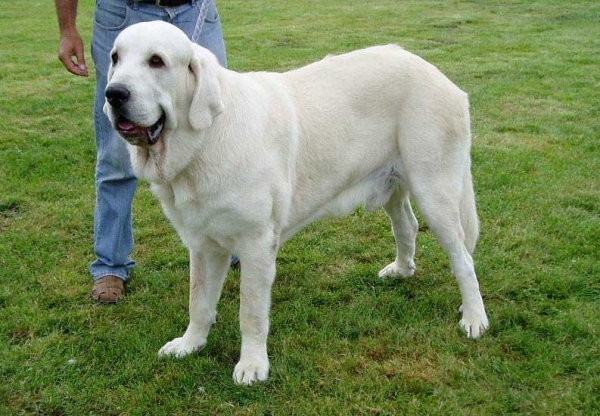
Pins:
<point x="115" y="181"/>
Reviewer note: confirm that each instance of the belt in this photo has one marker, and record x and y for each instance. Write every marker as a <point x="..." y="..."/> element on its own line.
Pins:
<point x="166" y="3"/>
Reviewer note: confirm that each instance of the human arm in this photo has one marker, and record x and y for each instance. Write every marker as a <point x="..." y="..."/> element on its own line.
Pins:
<point x="71" y="45"/>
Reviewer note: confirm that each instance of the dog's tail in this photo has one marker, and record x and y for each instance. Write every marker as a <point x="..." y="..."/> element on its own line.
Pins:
<point x="468" y="212"/>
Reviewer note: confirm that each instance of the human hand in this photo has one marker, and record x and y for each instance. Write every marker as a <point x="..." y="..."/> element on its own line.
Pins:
<point x="71" y="54"/>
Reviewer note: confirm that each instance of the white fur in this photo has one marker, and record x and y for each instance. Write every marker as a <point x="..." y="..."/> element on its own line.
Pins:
<point x="247" y="160"/>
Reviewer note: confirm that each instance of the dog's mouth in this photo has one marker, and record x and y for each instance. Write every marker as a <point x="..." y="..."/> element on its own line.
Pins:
<point x="140" y="135"/>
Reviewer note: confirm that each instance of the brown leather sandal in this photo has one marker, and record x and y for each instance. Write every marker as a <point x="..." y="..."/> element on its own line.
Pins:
<point x="108" y="289"/>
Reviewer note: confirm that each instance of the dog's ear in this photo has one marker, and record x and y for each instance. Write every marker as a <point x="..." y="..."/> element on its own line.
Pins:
<point x="206" y="102"/>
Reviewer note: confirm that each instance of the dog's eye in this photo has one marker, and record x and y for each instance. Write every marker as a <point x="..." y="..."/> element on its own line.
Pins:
<point x="115" y="58"/>
<point x="156" y="62"/>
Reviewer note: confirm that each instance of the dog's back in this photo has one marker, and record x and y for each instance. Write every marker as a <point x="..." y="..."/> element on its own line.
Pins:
<point x="354" y="134"/>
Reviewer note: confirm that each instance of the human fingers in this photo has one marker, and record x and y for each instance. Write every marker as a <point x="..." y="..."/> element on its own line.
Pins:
<point x="72" y="57"/>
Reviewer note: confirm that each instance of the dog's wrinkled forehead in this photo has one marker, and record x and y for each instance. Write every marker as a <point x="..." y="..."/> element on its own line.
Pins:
<point x="151" y="37"/>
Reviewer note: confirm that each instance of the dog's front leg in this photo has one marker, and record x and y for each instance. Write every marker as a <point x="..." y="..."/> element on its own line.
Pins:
<point x="208" y="271"/>
<point x="258" y="274"/>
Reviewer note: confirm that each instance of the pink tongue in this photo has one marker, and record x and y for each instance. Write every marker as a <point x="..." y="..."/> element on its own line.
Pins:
<point x="125" y="125"/>
<point x="128" y="126"/>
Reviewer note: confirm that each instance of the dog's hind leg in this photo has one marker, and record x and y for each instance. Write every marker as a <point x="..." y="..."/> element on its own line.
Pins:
<point x="208" y="270"/>
<point x="434" y="144"/>
<point x="404" y="227"/>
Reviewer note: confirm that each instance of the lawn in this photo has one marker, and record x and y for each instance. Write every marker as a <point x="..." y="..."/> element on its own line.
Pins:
<point x="342" y="341"/>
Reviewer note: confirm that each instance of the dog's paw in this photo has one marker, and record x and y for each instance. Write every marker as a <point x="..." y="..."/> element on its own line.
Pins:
<point x="474" y="324"/>
<point x="180" y="347"/>
<point x="396" y="269"/>
<point x="248" y="372"/>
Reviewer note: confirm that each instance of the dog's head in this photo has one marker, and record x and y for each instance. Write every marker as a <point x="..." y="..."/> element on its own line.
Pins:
<point x="159" y="84"/>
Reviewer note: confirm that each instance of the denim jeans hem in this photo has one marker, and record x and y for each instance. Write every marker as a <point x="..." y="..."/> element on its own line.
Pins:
<point x="100" y="275"/>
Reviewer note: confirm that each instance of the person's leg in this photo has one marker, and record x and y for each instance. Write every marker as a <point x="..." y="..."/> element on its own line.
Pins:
<point x="115" y="181"/>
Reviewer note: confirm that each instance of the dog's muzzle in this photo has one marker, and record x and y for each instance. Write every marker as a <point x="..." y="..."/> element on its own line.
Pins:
<point x="117" y="96"/>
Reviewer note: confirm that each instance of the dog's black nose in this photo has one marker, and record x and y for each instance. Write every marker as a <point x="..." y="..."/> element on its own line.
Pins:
<point x="117" y="94"/>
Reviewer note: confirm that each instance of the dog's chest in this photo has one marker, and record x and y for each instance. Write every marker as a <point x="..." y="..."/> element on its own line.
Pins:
<point x="183" y="205"/>
<point x="195" y="215"/>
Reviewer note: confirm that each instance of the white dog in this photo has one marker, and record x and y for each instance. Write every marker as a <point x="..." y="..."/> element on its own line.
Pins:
<point x="242" y="162"/>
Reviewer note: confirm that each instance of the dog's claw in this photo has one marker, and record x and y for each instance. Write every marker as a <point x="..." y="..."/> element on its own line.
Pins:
<point x="248" y="373"/>
<point x="473" y="324"/>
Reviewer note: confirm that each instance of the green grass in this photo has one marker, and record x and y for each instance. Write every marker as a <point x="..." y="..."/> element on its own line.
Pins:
<point x="342" y="341"/>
